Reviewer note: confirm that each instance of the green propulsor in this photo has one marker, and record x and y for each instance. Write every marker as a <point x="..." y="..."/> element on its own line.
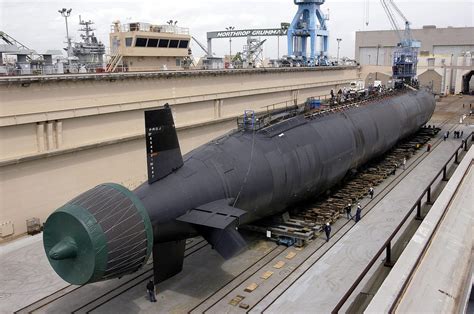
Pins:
<point x="91" y="239"/>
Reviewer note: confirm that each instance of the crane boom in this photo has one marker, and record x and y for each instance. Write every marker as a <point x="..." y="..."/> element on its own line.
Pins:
<point x="405" y="56"/>
<point x="12" y="41"/>
<point x="391" y="18"/>
<point x="398" y="11"/>
<point x="201" y="45"/>
<point x="258" y="46"/>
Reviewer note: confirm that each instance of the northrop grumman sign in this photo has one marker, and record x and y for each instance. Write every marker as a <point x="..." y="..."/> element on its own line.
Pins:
<point x="248" y="32"/>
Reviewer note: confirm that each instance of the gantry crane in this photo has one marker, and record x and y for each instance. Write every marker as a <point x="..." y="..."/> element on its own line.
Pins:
<point x="405" y="56"/>
<point x="309" y="22"/>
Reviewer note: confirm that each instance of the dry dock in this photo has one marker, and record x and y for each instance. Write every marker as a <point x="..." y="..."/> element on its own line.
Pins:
<point x="269" y="278"/>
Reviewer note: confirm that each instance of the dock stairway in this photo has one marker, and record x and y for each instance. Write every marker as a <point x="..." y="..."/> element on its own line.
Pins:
<point x="115" y="61"/>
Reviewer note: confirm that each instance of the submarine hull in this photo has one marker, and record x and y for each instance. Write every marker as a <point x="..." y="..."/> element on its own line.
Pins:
<point x="242" y="177"/>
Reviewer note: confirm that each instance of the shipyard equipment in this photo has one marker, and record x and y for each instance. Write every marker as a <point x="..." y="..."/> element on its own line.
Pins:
<point x="309" y="23"/>
<point x="270" y="163"/>
<point x="405" y="56"/>
<point x="253" y="52"/>
<point x="24" y="61"/>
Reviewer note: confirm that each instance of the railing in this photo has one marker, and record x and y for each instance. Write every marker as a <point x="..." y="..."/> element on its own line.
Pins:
<point x="387" y="245"/>
<point x="147" y="27"/>
<point x="252" y="120"/>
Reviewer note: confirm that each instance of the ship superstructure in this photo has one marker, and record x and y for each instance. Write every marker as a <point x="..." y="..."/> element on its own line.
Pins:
<point x="142" y="46"/>
<point x="89" y="53"/>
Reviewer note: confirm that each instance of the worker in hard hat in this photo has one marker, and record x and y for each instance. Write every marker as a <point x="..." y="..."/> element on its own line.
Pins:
<point x="348" y="211"/>
<point x="358" y="212"/>
<point x="327" y="230"/>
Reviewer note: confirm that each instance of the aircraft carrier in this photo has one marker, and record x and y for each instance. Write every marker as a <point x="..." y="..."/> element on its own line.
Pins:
<point x="215" y="178"/>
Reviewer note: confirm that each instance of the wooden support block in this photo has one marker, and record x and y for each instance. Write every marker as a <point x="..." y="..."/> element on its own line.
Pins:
<point x="279" y="265"/>
<point x="235" y="301"/>
<point x="290" y="255"/>
<point x="251" y="288"/>
<point x="266" y="275"/>
<point x="244" y="306"/>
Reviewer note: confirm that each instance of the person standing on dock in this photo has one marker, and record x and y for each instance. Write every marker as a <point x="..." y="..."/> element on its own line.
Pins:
<point x="404" y="163"/>
<point x="358" y="213"/>
<point x="150" y="288"/>
<point x="428" y="149"/>
<point x="371" y="193"/>
<point x="327" y="230"/>
<point x="349" y="211"/>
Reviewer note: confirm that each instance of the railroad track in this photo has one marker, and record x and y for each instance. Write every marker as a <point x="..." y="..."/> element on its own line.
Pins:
<point x="227" y="288"/>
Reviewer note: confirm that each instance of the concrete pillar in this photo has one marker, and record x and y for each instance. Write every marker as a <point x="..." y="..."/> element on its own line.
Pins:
<point x="40" y="137"/>
<point x="50" y="135"/>
<point x="294" y="96"/>
<point x="59" y="134"/>
<point x="218" y="103"/>
<point x="216" y="108"/>
<point x="209" y="47"/>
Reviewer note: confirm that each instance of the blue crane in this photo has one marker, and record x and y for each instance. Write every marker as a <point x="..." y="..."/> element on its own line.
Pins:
<point x="310" y="22"/>
<point x="405" y="56"/>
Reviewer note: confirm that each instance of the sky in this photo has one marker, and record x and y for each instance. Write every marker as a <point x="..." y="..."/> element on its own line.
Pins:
<point x="38" y="25"/>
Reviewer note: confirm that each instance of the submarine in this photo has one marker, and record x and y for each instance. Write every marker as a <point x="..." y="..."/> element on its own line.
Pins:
<point x="256" y="171"/>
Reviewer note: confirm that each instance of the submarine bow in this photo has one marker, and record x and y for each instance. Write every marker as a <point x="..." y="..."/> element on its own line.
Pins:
<point x="239" y="178"/>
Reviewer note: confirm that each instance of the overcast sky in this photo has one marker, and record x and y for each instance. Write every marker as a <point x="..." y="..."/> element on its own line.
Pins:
<point x="38" y="25"/>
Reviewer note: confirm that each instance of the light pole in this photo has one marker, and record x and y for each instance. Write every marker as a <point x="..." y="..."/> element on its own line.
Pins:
<point x="230" y="28"/>
<point x="66" y="13"/>
<point x="451" y="81"/>
<point x="377" y="63"/>
<point x="338" y="47"/>
<point x="378" y="53"/>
